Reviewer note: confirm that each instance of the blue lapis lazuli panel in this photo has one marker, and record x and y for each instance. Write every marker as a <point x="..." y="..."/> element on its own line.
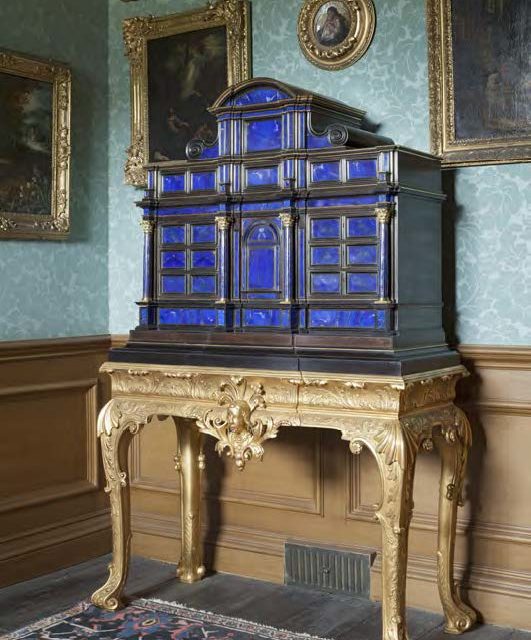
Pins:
<point x="342" y="319"/>
<point x="262" y="268"/>
<point x="173" y="182"/>
<point x="173" y="235"/>
<point x="173" y="260"/>
<point x="325" y="228"/>
<point x="256" y="177"/>
<point x="175" y="211"/>
<point x="380" y="319"/>
<point x="317" y="142"/>
<point x="210" y="151"/>
<point x="265" y="206"/>
<point x="264" y="135"/>
<point x="204" y="181"/>
<point x="325" y="282"/>
<point x="203" y="284"/>
<point x="361" y="282"/>
<point x="361" y="227"/>
<point x="338" y="201"/>
<point x="261" y="233"/>
<point x="203" y="233"/>
<point x="362" y="254"/>
<point x="326" y="171"/>
<point x="203" y="259"/>
<point x="143" y="315"/>
<point x="358" y="169"/>
<point x="259" y="95"/>
<point x="325" y="255"/>
<point x="265" y="318"/>
<point x="173" y="284"/>
<point x="197" y="317"/>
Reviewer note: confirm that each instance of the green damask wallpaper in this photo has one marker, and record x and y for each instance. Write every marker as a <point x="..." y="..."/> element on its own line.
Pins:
<point x="50" y="289"/>
<point x="491" y="208"/>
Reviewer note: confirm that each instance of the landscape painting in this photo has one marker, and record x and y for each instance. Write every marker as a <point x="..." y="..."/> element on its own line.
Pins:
<point x="26" y="132"/>
<point x="186" y="73"/>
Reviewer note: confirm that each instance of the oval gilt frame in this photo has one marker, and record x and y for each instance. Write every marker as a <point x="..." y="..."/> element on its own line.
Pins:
<point x="351" y="48"/>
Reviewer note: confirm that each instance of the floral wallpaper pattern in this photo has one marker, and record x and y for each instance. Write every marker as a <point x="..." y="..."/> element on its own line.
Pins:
<point x="51" y="289"/>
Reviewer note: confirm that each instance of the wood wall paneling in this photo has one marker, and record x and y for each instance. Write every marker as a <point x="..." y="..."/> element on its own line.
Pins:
<point x="53" y="512"/>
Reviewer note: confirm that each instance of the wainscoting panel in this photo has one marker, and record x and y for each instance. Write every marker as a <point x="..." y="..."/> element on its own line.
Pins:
<point x="53" y="512"/>
<point x="309" y="489"/>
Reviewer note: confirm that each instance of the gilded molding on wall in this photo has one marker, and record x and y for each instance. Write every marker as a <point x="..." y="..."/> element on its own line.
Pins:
<point x="55" y="226"/>
<point x="234" y="15"/>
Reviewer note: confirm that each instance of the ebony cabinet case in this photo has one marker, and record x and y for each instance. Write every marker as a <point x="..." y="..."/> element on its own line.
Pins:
<point x="297" y="240"/>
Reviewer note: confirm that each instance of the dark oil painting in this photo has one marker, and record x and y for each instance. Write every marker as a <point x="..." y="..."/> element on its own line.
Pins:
<point x="186" y="73"/>
<point x="26" y="125"/>
<point x="491" y="42"/>
<point x="332" y="23"/>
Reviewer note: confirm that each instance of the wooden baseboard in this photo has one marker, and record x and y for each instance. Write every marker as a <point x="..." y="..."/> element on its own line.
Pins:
<point x="47" y="549"/>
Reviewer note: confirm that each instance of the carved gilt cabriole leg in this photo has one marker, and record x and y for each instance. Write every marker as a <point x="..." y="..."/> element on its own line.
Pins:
<point x="190" y="462"/>
<point x="118" y="422"/>
<point x="395" y="447"/>
<point x="453" y="442"/>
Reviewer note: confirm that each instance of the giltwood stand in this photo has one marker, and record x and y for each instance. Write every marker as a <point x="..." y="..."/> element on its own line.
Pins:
<point x="394" y="417"/>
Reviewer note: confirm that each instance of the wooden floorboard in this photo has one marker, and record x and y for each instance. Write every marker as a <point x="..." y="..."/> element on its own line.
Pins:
<point x="336" y="616"/>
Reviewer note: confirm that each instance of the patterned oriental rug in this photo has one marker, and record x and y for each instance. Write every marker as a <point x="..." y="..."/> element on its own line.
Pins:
<point x="147" y="620"/>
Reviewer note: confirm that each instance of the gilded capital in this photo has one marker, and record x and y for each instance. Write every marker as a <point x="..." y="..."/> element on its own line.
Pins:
<point x="148" y="226"/>
<point x="384" y="212"/>
<point x="287" y="219"/>
<point x="223" y="223"/>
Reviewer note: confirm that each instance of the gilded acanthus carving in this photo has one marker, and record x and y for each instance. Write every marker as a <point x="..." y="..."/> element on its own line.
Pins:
<point x="459" y="436"/>
<point x="135" y="173"/>
<point x="135" y="31"/>
<point x="236" y="427"/>
<point x="349" y="395"/>
<point x="432" y="390"/>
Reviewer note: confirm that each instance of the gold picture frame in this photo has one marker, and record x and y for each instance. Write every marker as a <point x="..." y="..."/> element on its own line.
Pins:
<point x="461" y="134"/>
<point x="27" y="76"/>
<point x="233" y="15"/>
<point x="333" y="34"/>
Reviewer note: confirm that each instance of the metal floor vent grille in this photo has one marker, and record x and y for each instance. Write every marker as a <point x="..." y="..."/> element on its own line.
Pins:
<point x="328" y="569"/>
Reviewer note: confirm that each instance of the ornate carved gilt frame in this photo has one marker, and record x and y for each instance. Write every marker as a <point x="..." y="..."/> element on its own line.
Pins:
<point x="457" y="153"/>
<point x="56" y="225"/>
<point x="232" y="14"/>
<point x="363" y="19"/>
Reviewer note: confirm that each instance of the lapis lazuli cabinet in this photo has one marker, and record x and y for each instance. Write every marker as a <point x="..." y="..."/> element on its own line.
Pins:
<point x="297" y="233"/>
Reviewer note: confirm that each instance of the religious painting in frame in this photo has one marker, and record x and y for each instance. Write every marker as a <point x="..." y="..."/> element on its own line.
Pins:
<point x="334" y="34"/>
<point x="480" y="81"/>
<point x="179" y="64"/>
<point x="34" y="147"/>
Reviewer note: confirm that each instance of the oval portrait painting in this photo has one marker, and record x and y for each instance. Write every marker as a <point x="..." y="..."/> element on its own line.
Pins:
<point x="332" y="23"/>
<point x="335" y="33"/>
